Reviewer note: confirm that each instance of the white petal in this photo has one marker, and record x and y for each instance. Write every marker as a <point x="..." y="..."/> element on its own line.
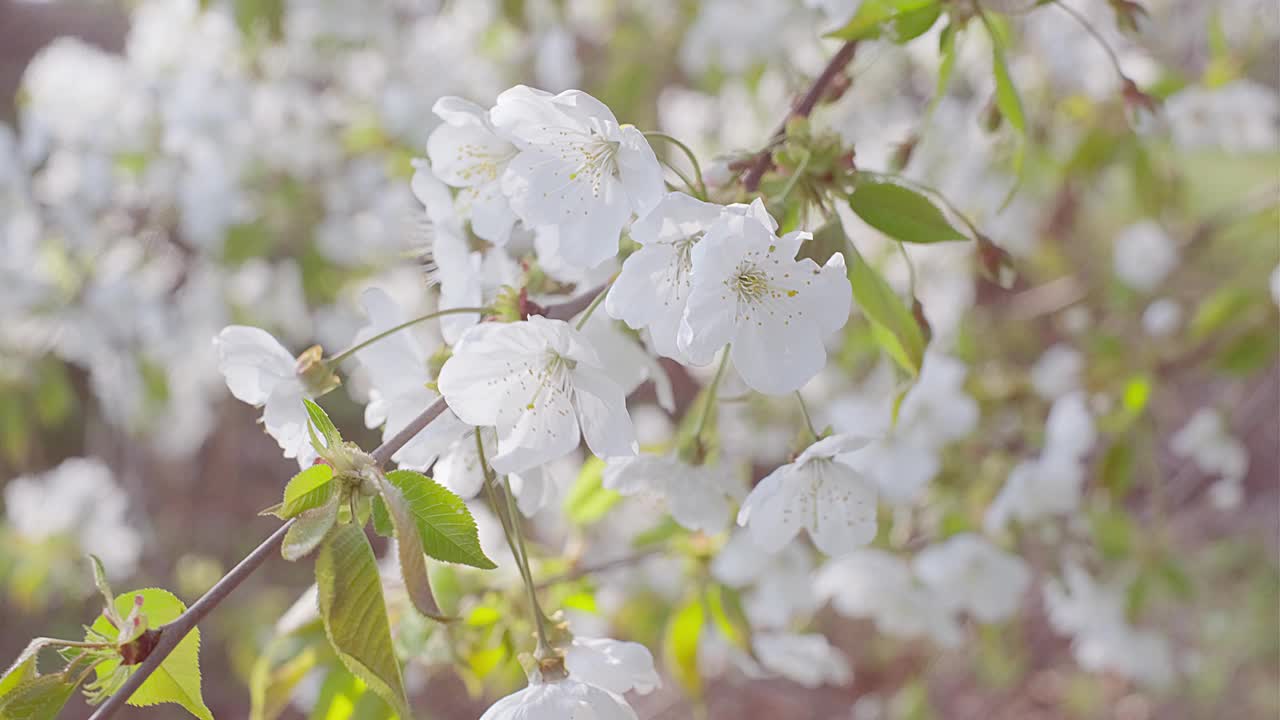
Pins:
<point x="252" y="362"/>
<point x="602" y="412"/>
<point x="773" y="514"/>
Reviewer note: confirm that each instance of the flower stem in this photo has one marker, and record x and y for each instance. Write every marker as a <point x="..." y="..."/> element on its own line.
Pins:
<point x="515" y="541"/>
<point x="336" y="359"/>
<point x="711" y="396"/>
<point x="808" y="420"/>
<point x="595" y="303"/>
<point x="701" y="189"/>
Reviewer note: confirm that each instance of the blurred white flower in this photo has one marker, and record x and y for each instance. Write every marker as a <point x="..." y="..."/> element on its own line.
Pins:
<point x="776" y="587"/>
<point x="1094" y="615"/>
<point x="1057" y="372"/>
<point x="78" y="498"/>
<point x="1144" y="256"/>
<point x="1241" y="116"/>
<point x="968" y="573"/>
<point x="1162" y="317"/>
<point x="1206" y="441"/>
<point x="398" y="370"/>
<point x="877" y="585"/>
<point x="614" y="665"/>
<point x="698" y="497"/>
<point x="808" y="660"/>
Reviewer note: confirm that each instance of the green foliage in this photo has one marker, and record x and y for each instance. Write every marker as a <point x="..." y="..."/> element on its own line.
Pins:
<point x="177" y="680"/>
<point x="589" y="500"/>
<point x="448" y="531"/>
<point x="271" y="685"/>
<point x="680" y="645"/>
<point x="309" y="489"/>
<point x="39" y="698"/>
<point x="320" y="422"/>
<point x="895" y="328"/>
<point x="898" y="20"/>
<point x="901" y="213"/>
<point x="310" y="529"/>
<point x="355" y="620"/>
<point x="409" y="549"/>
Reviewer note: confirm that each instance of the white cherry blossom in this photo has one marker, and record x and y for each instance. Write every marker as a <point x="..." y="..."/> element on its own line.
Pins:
<point x="398" y="370"/>
<point x="970" y="574"/>
<point x="749" y="290"/>
<point x="776" y="587"/>
<point x="878" y="585"/>
<point x="1144" y="256"/>
<point x="698" y="497"/>
<point x="576" y="169"/>
<point x="809" y="660"/>
<point x="818" y="493"/>
<point x="614" y="665"/>
<point x="467" y="152"/>
<point x="1093" y="613"/>
<point x="260" y="372"/>
<point x="653" y="286"/>
<point x="567" y="699"/>
<point x="1206" y="440"/>
<point x="540" y="384"/>
<point x="459" y="470"/>
<point x="79" y="499"/>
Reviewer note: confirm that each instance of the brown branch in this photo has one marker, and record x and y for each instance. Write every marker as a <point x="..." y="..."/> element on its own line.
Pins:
<point x="172" y="633"/>
<point x="751" y="181"/>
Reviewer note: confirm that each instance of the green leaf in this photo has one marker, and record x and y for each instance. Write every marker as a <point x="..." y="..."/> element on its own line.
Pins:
<point x="448" y="531"/>
<point x="100" y="582"/>
<point x="1219" y="309"/>
<point x="338" y="696"/>
<point x="899" y="20"/>
<point x="381" y="518"/>
<point x="901" y="213"/>
<point x="726" y="609"/>
<point x="309" y="530"/>
<point x="893" y="325"/>
<point x="589" y="500"/>
<point x="1007" y="98"/>
<point x="309" y="489"/>
<point x="177" y="680"/>
<point x="22" y="669"/>
<point x="413" y="565"/>
<point x="947" y="66"/>
<point x="1112" y="532"/>
<point x="680" y="645"/>
<point x="1117" y="470"/>
<point x="321" y="422"/>
<point x="1250" y="352"/>
<point x="40" y="698"/>
<point x="271" y="687"/>
<point x="349" y="589"/>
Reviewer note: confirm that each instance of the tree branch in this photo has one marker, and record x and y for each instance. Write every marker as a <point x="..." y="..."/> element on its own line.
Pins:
<point x="172" y="633"/>
<point x="751" y="181"/>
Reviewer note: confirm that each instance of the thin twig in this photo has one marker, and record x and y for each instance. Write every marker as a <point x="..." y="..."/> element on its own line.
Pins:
<point x="172" y="633"/>
<point x="585" y="570"/>
<point x="751" y="181"/>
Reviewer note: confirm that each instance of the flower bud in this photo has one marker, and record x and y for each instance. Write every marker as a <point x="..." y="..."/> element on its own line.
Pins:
<point x="903" y="152"/>
<point x="317" y="377"/>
